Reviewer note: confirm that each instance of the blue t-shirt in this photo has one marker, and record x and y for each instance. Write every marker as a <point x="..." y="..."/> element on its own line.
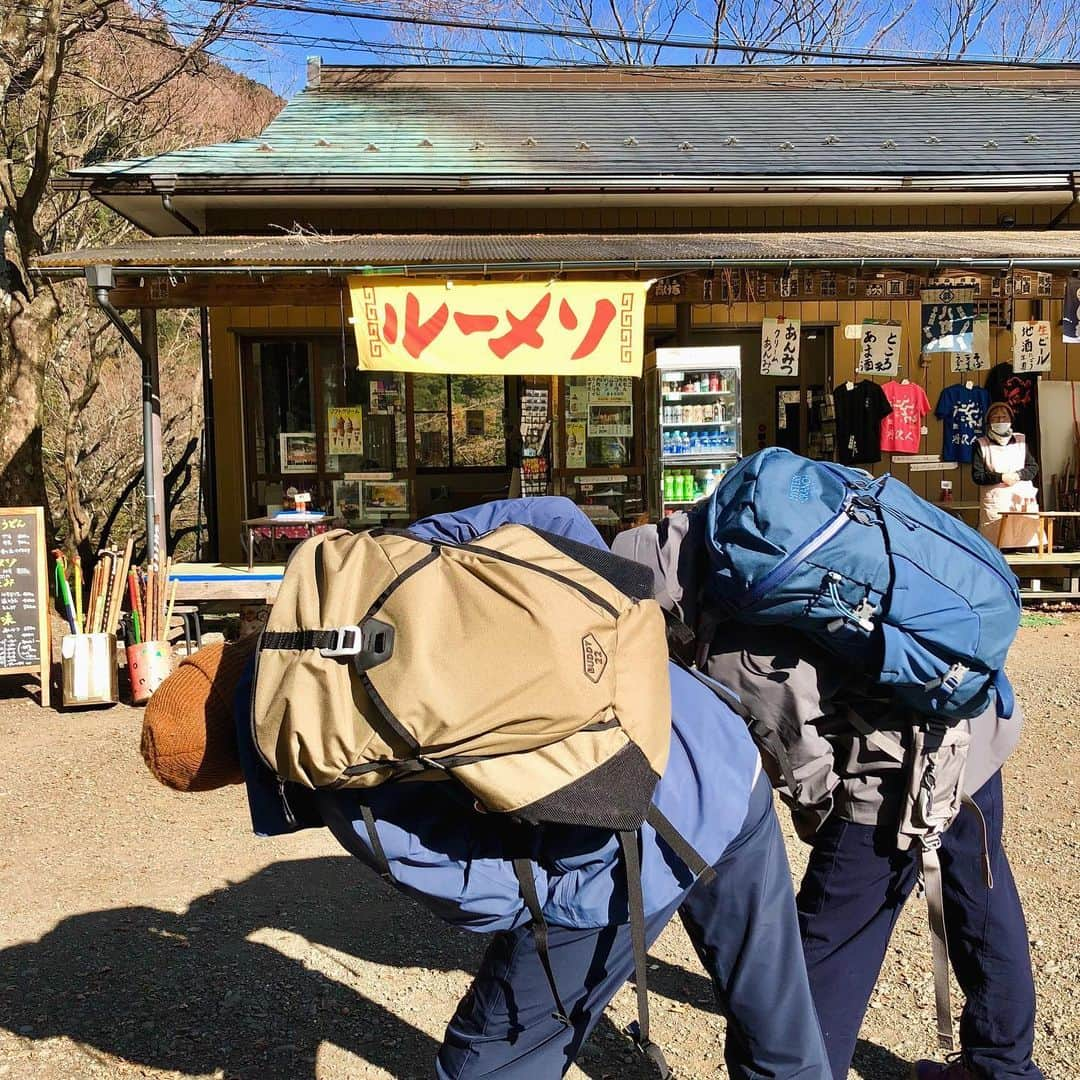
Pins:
<point x="963" y="414"/>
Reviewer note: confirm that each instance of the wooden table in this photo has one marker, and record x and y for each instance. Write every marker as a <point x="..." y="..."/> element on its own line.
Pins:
<point x="958" y="508"/>
<point x="310" y="523"/>
<point x="218" y="582"/>
<point x="1046" y="525"/>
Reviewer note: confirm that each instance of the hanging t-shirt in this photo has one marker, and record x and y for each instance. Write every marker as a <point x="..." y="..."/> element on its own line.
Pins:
<point x="1018" y="392"/>
<point x="901" y="430"/>
<point x="963" y="414"/>
<point x="859" y="413"/>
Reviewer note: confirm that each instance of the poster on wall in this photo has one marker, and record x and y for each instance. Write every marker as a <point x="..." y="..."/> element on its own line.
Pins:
<point x="298" y="452"/>
<point x="577" y="400"/>
<point x="1031" y="345"/>
<point x="345" y="427"/>
<point x="610" y="390"/>
<point x="979" y="357"/>
<point x="879" y="349"/>
<point x="947" y="316"/>
<point x="610" y="420"/>
<point x="386" y="495"/>
<point x="575" y="444"/>
<point x="385" y="396"/>
<point x="347" y="506"/>
<point x="780" y="346"/>
<point x="474" y="423"/>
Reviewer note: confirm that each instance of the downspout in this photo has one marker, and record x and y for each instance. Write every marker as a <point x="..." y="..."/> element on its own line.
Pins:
<point x="167" y="206"/>
<point x="100" y="281"/>
<point x="1064" y="213"/>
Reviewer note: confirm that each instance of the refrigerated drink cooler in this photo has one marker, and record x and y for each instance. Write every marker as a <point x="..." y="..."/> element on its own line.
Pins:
<point x="694" y="423"/>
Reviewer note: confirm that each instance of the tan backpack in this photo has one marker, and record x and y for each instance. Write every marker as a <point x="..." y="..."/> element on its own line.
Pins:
<point x="529" y="668"/>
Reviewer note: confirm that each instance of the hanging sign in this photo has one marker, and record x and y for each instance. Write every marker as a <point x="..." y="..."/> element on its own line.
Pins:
<point x="947" y="316"/>
<point x="780" y="346"/>
<point x="500" y="328"/>
<point x="879" y="352"/>
<point x="1031" y="346"/>
<point x="979" y="357"/>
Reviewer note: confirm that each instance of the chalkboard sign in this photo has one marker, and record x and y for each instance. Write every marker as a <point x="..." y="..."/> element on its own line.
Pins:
<point x="24" y="595"/>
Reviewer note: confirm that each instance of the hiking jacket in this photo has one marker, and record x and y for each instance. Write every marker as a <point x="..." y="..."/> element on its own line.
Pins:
<point x="456" y="860"/>
<point x="799" y="689"/>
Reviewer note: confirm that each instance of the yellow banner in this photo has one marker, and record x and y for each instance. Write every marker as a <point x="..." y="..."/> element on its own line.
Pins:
<point x="500" y="328"/>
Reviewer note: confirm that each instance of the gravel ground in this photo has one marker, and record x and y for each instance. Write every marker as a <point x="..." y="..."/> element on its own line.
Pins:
<point x="147" y="934"/>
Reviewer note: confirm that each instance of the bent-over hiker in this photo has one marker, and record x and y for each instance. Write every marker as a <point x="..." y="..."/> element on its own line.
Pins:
<point x="848" y="804"/>
<point x="432" y="842"/>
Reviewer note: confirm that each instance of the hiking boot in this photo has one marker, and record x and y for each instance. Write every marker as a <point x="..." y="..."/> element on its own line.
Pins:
<point x="953" y="1068"/>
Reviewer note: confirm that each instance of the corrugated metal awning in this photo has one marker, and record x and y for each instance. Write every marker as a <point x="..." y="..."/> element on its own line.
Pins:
<point x="574" y="251"/>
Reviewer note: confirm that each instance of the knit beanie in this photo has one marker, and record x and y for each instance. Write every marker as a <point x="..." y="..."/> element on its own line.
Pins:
<point x="189" y="733"/>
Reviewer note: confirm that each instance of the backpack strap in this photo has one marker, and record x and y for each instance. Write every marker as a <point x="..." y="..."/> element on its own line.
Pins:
<point x="930" y="865"/>
<point x="381" y="862"/>
<point x="684" y="852"/>
<point x="523" y="871"/>
<point x="639" y="1030"/>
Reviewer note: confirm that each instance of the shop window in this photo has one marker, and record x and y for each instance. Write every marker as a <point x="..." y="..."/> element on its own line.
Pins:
<point x="312" y="417"/>
<point x="600" y="422"/>
<point x="460" y="421"/>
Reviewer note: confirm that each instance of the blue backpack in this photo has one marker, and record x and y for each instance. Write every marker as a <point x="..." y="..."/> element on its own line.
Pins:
<point x="917" y="599"/>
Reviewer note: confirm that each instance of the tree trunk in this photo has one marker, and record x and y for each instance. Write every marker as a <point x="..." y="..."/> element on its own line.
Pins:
<point x="29" y="329"/>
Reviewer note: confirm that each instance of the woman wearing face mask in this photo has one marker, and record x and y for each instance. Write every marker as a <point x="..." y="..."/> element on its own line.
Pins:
<point x="1003" y="466"/>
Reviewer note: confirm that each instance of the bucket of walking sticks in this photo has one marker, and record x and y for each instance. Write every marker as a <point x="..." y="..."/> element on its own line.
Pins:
<point x="149" y="664"/>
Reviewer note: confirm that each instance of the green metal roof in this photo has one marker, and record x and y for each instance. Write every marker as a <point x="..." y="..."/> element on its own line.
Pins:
<point x="430" y="134"/>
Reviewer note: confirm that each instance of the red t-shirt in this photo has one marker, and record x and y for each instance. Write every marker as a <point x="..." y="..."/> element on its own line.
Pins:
<point x="901" y="430"/>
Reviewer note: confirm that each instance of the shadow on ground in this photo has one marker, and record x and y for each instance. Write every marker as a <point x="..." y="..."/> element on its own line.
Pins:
<point x="189" y="992"/>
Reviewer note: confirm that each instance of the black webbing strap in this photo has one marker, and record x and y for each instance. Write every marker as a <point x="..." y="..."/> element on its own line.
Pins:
<point x="298" y="639"/>
<point x="527" y="883"/>
<point x="639" y="1031"/>
<point x="675" y="840"/>
<point x="377" y="849"/>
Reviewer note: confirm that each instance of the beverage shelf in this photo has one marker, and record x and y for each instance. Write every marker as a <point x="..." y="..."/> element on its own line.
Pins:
<point x="699" y="423"/>
<point x="717" y="455"/>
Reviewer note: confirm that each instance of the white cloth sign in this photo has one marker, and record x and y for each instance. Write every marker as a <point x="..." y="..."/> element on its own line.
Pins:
<point x="1031" y="346"/>
<point x="879" y="350"/>
<point x="780" y="346"/>
<point x="979" y="357"/>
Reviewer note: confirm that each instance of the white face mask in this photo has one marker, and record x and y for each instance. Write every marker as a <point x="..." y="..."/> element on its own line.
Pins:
<point x="1001" y="429"/>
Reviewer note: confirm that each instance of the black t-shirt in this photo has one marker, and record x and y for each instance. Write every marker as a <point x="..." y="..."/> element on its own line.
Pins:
<point x="859" y="413"/>
<point x="1019" y="393"/>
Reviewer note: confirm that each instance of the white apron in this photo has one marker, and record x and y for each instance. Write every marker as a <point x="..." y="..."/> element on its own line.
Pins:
<point x="998" y="498"/>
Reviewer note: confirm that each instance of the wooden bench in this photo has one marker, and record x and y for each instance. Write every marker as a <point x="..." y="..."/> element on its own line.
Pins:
<point x="1034" y="569"/>
<point x="1046" y="525"/>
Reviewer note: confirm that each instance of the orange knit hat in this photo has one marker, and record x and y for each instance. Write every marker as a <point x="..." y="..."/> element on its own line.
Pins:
<point x="188" y="734"/>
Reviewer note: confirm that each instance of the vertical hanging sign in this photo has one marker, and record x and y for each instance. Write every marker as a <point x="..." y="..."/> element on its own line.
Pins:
<point x="979" y="357"/>
<point x="1031" y="346"/>
<point x="879" y="352"/>
<point x="947" y="317"/>
<point x="780" y="346"/>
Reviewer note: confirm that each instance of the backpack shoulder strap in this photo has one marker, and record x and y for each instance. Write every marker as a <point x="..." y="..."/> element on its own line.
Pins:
<point x="523" y="871"/>
<point x="639" y="1030"/>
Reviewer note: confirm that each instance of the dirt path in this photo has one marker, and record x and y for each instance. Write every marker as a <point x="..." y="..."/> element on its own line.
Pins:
<point x="148" y="934"/>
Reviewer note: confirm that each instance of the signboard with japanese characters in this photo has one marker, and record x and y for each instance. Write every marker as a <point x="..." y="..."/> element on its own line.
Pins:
<point x="879" y="349"/>
<point x="1031" y="346"/>
<point x="780" y="346"/>
<point x="947" y="316"/>
<point x="500" y="328"/>
<point x="979" y="357"/>
<point x="24" y="595"/>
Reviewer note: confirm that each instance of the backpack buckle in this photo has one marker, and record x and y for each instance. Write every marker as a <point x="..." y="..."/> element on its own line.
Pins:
<point x="348" y="641"/>
<point x="952" y="679"/>
<point x="367" y="645"/>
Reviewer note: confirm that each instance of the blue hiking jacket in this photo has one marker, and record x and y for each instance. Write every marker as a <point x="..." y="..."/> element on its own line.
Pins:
<point x="454" y="859"/>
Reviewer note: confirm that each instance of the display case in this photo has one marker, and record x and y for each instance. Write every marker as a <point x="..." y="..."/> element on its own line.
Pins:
<point x="695" y="423"/>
